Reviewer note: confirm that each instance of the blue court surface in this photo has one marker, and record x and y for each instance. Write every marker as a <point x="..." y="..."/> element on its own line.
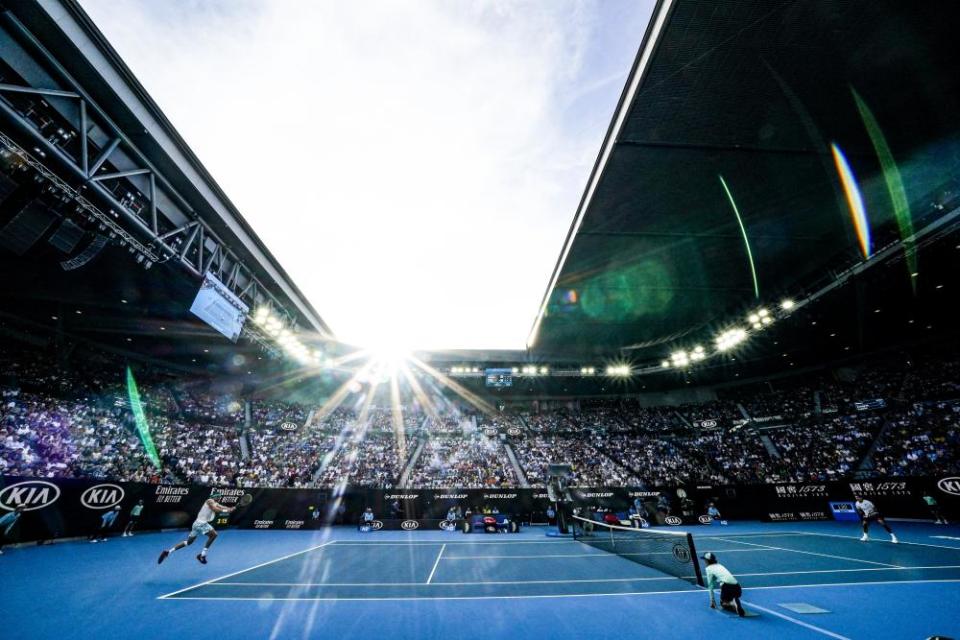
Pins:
<point x="342" y="583"/>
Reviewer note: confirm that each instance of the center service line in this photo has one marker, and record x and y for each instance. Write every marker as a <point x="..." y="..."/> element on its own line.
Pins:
<point x="436" y="563"/>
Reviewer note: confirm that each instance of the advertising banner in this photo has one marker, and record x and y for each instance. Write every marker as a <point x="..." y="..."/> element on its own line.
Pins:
<point x="57" y="508"/>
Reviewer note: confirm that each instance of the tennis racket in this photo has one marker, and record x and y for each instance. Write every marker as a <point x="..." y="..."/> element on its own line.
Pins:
<point x="244" y="501"/>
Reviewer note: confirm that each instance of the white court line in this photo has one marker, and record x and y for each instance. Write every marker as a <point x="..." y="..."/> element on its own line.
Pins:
<point x="367" y="599"/>
<point x="717" y="534"/>
<point x="869" y="583"/>
<point x="434" y="543"/>
<point x="915" y="544"/>
<point x="782" y="616"/>
<point x="813" y="553"/>
<point x="230" y="575"/>
<point x="577" y="580"/>
<point x="796" y="573"/>
<point x="566" y="595"/>
<point x="445" y="584"/>
<point x="598" y="554"/>
<point x="436" y="563"/>
<point x="801" y="623"/>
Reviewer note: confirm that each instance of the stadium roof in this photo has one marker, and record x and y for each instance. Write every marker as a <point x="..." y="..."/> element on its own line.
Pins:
<point x="54" y="45"/>
<point x="729" y="103"/>
<point x="731" y="112"/>
<point x="54" y="60"/>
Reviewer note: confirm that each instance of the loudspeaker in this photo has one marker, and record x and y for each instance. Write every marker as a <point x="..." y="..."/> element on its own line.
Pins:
<point x="89" y="253"/>
<point x="26" y="227"/>
<point x="7" y="186"/>
<point x="66" y="236"/>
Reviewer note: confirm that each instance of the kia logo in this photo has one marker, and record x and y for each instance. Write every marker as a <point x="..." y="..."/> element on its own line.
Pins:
<point x="950" y="485"/>
<point x="709" y="423"/>
<point x="102" y="496"/>
<point x="289" y="426"/>
<point x="673" y="520"/>
<point x="681" y="553"/>
<point x="376" y="525"/>
<point x="409" y="525"/>
<point x="32" y="494"/>
<point x="513" y="431"/>
<point x="705" y="520"/>
<point x="447" y="525"/>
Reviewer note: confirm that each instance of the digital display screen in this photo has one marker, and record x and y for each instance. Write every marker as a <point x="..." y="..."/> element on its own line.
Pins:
<point x="218" y="307"/>
<point x="499" y="377"/>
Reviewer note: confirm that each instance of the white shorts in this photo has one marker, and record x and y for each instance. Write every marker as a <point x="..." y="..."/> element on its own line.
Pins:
<point x="200" y="528"/>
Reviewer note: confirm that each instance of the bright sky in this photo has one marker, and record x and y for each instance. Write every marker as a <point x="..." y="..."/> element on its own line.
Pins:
<point x="414" y="166"/>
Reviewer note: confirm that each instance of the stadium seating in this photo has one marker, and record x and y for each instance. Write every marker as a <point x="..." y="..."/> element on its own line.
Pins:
<point x="76" y="422"/>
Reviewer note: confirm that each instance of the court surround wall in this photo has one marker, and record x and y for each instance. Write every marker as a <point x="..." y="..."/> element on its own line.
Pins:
<point x="58" y="508"/>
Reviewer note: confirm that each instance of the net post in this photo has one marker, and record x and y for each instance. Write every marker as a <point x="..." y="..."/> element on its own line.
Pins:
<point x="695" y="560"/>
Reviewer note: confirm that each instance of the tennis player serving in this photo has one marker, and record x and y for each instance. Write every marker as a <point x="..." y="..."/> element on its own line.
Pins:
<point x="868" y="513"/>
<point x="201" y="526"/>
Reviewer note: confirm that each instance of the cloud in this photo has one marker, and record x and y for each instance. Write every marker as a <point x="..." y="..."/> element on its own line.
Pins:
<point x="413" y="166"/>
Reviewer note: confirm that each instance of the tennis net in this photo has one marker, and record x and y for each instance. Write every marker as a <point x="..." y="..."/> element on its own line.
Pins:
<point x="670" y="552"/>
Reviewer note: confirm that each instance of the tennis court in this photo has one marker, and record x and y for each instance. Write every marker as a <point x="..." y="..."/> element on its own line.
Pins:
<point x="414" y="584"/>
<point x="341" y="570"/>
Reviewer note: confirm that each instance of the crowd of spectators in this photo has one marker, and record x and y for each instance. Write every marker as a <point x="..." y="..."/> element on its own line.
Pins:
<point x="724" y="412"/>
<point x="371" y="453"/>
<point x="473" y="461"/>
<point x="827" y="449"/>
<point x="41" y="436"/>
<point x="563" y="436"/>
<point x="58" y="421"/>
<point x="921" y="440"/>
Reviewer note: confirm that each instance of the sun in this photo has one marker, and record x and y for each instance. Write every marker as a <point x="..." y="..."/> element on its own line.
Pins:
<point x="389" y="358"/>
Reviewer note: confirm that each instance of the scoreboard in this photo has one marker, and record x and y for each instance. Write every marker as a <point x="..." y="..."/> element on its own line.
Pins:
<point x="499" y="377"/>
<point x="216" y="305"/>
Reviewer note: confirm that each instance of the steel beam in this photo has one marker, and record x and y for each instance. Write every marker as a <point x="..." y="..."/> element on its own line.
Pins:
<point x="186" y="245"/>
<point x="15" y="88"/>
<point x="120" y="174"/>
<point x="176" y="232"/>
<point x="142" y="227"/>
<point x="84" y="144"/>
<point x="153" y="203"/>
<point x="103" y="157"/>
<point x="85" y="171"/>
